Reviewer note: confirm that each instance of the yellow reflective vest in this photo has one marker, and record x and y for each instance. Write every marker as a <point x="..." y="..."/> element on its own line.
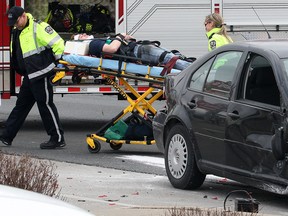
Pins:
<point x="41" y="46"/>
<point x="216" y="40"/>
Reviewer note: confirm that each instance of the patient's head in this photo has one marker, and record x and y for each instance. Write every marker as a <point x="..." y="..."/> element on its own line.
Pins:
<point x="83" y="36"/>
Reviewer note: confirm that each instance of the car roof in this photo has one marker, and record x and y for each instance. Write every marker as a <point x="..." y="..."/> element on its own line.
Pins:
<point x="278" y="46"/>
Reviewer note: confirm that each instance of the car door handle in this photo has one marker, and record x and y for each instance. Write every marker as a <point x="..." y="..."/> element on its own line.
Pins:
<point x="233" y="115"/>
<point x="191" y="104"/>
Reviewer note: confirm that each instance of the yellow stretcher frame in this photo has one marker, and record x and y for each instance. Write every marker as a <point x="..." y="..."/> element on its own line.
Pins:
<point x="141" y="105"/>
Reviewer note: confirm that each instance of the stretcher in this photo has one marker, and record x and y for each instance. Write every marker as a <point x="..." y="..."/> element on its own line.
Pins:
<point x="140" y="105"/>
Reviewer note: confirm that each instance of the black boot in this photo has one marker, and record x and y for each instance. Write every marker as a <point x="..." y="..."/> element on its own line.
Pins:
<point x="52" y="144"/>
<point x="5" y="140"/>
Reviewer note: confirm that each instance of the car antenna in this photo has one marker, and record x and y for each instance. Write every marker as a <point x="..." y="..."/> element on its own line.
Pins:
<point x="269" y="36"/>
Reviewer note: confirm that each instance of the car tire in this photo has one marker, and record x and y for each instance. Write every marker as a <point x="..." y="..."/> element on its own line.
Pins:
<point x="180" y="162"/>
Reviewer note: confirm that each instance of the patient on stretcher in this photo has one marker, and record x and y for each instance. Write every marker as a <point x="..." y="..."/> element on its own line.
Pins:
<point x="147" y="51"/>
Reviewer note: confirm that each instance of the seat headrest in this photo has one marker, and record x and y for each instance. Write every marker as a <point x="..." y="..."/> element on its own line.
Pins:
<point x="264" y="76"/>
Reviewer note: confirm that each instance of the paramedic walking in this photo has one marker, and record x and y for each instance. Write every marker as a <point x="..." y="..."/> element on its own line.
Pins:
<point x="35" y="48"/>
<point x="216" y="31"/>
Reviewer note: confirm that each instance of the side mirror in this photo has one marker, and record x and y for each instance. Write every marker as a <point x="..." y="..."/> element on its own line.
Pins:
<point x="279" y="144"/>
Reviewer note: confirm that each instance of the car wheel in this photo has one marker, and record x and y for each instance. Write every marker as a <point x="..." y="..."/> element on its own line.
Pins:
<point x="180" y="163"/>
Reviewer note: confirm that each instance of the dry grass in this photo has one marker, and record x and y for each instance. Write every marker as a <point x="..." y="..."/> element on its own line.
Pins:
<point x="201" y="212"/>
<point x="29" y="174"/>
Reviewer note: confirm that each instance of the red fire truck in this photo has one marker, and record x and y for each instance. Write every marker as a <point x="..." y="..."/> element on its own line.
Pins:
<point x="177" y="25"/>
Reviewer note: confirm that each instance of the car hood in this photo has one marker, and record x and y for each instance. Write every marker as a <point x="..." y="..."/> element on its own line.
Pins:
<point x="15" y="201"/>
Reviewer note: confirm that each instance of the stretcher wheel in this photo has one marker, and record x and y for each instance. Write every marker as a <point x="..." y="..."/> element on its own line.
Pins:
<point x="115" y="146"/>
<point x="96" y="149"/>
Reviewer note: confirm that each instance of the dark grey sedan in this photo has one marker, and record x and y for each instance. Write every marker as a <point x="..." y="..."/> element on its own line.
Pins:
<point x="226" y="115"/>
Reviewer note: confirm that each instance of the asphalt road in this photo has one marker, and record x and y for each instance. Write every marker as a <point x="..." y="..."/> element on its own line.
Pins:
<point x="82" y="115"/>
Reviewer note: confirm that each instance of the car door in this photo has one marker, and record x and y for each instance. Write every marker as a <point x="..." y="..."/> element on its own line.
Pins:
<point x="252" y="120"/>
<point x="207" y="99"/>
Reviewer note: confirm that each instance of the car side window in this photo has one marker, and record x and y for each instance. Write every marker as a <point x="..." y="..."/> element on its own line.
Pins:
<point x="198" y="78"/>
<point x="260" y="84"/>
<point x="221" y="74"/>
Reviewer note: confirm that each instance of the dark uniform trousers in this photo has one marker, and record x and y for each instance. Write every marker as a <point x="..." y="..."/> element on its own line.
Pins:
<point x="41" y="92"/>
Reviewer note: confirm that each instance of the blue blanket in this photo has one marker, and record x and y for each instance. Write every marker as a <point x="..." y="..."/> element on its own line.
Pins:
<point x="94" y="62"/>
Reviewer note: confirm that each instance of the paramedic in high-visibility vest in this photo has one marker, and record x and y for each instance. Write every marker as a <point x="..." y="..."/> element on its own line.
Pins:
<point x="216" y="31"/>
<point x="35" y="48"/>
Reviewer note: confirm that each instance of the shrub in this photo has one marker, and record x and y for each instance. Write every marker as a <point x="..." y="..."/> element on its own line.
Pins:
<point x="28" y="173"/>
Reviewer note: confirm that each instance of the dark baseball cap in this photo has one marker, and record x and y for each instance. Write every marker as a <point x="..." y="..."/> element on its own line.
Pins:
<point x="13" y="14"/>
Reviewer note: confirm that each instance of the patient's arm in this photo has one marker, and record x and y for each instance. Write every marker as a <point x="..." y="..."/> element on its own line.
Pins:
<point x="112" y="47"/>
<point x="115" y="44"/>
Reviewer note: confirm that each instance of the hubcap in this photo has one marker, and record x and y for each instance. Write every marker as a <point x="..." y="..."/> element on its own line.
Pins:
<point x="177" y="156"/>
